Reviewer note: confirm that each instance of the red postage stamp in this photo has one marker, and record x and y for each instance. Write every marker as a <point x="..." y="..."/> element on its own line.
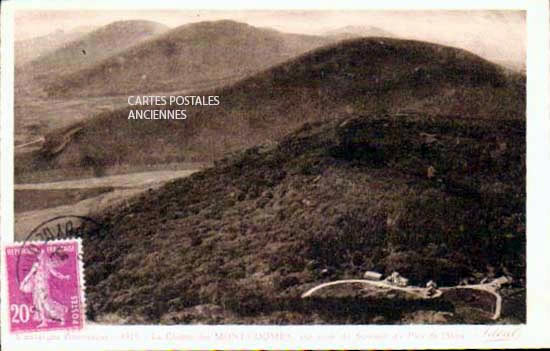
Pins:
<point x="45" y="285"/>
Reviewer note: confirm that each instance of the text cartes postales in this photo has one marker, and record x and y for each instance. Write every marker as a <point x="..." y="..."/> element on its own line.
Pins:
<point x="168" y="107"/>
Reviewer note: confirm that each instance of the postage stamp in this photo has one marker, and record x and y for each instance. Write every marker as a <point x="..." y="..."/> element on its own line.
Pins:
<point x="49" y="294"/>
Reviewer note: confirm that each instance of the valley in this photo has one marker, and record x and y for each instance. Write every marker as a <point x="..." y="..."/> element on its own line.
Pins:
<point x="38" y="202"/>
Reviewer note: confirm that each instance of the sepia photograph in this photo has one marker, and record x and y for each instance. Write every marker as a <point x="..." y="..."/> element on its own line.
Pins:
<point x="287" y="167"/>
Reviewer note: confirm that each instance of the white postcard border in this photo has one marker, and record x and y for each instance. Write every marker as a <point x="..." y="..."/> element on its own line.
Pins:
<point x="532" y="334"/>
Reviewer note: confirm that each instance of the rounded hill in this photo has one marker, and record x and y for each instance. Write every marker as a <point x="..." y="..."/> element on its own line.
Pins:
<point x="92" y="47"/>
<point x="440" y="200"/>
<point x="191" y="56"/>
<point x="374" y="76"/>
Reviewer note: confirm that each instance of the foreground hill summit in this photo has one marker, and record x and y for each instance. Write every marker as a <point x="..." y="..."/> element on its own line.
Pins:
<point x="434" y="199"/>
<point x="188" y="57"/>
<point x="364" y="76"/>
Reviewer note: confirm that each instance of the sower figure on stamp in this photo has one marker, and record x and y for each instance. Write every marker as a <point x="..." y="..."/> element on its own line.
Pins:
<point x="37" y="283"/>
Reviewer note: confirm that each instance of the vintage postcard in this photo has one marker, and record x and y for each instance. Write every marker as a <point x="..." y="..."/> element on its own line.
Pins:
<point x="274" y="175"/>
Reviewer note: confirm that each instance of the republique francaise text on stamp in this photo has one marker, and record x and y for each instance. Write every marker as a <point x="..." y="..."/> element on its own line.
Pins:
<point x="49" y="294"/>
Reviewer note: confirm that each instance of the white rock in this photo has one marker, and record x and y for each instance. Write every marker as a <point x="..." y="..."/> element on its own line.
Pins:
<point x="370" y="275"/>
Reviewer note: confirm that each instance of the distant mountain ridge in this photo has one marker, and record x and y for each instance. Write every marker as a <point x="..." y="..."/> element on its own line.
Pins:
<point x="190" y="56"/>
<point x="27" y="50"/>
<point x="358" y="31"/>
<point x="372" y="76"/>
<point x="91" y="48"/>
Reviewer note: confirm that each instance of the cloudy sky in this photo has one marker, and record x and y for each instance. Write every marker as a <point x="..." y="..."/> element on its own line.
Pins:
<point x="495" y="35"/>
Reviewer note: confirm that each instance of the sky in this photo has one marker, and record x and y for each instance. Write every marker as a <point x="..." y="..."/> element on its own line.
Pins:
<point x="495" y="35"/>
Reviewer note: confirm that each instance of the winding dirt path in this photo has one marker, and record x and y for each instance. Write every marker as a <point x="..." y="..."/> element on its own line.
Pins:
<point x="488" y="288"/>
<point x="491" y="288"/>
<point x="33" y="142"/>
<point x="130" y="180"/>
<point x="419" y="292"/>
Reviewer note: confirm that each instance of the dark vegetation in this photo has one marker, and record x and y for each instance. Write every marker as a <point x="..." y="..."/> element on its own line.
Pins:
<point x="242" y="240"/>
<point x="363" y="76"/>
<point x="408" y="156"/>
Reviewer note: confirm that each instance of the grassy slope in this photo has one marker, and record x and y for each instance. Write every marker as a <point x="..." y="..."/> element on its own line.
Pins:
<point x="186" y="57"/>
<point x="89" y="49"/>
<point x="244" y="239"/>
<point x="359" y="76"/>
<point x="28" y="49"/>
<point x="348" y="193"/>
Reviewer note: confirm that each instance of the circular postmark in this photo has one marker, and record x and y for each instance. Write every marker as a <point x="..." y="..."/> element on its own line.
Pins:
<point x="56" y="228"/>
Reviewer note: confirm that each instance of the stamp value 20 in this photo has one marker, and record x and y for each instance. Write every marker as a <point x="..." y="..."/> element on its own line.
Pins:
<point x="45" y="285"/>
